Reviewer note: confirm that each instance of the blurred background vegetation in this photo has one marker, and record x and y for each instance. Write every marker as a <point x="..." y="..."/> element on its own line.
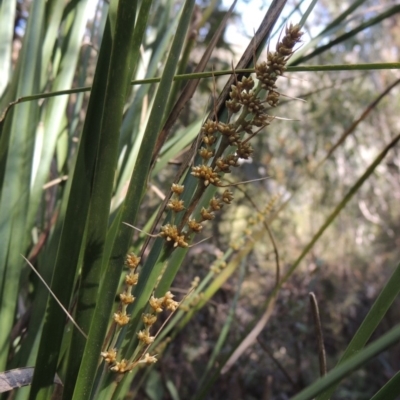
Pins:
<point x="330" y="126"/>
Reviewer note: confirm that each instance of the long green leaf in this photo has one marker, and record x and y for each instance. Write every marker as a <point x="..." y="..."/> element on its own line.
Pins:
<point x="73" y="216"/>
<point x="14" y="233"/>
<point x="133" y="129"/>
<point x="53" y="17"/>
<point x="119" y="75"/>
<point x="55" y="108"/>
<point x="370" y="323"/>
<point x="358" y="360"/>
<point x="128" y="213"/>
<point x="7" y="16"/>
<point x="390" y="391"/>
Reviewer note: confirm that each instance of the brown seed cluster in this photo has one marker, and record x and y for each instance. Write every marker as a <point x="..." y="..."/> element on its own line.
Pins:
<point x="170" y="234"/>
<point x="225" y="143"/>
<point x="222" y="146"/>
<point x="268" y="72"/>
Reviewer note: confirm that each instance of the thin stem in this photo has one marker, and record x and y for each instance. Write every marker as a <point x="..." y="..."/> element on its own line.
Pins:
<point x="209" y="74"/>
<point x="318" y="333"/>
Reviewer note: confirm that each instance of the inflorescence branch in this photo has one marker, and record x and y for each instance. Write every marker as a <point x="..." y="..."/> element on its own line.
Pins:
<point x="222" y="145"/>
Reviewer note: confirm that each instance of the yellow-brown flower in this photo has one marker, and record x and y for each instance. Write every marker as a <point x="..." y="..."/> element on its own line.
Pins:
<point x="149" y="319"/>
<point x="207" y="174"/>
<point x="156" y="304"/>
<point x="126" y="298"/>
<point x="216" y="204"/>
<point x="145" y="337"/>
<point x="131" y="279"/>
<point x="132" y="261"/>
<point x="121" y="367"/>
<point x="176" y="205"/>
<point x="206" y="215"/>
<point x="227" y="196"/>
<point x="169" y="303"/>
<point x="120" y="318"/>
<point x="148" y="359"/>
<point x="205" y="154"/>
<point x="170" y="233"/>
<point x="177" y="189"/>
<point x="109" y="356"/>
<point x="194" y="225"/>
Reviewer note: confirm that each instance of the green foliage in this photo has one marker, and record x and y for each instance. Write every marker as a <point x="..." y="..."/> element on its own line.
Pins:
<point x="80" y="166"/>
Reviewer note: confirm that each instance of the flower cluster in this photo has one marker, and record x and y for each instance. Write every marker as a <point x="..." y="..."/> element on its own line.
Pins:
<point x="132" y="261"/>
<point x="268" y="72"/>
<point x="156" y="305"/>
<point x="223" y="144"/>
<point x="165" y="302"/>
<point x="121" y="318"/>
<point x="171" y="234"/>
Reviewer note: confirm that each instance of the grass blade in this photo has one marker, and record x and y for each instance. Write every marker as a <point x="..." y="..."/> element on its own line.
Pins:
<point x="14" y="234"/>
<point x="7" y="16"/>
<point x="119" y="75"/>
<point x="390" y="391"/>
<point x="74" y="208"/>
<point x="128" y="213"/>
<point x="343" y="370"/>
<point x="370" y="323"/>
